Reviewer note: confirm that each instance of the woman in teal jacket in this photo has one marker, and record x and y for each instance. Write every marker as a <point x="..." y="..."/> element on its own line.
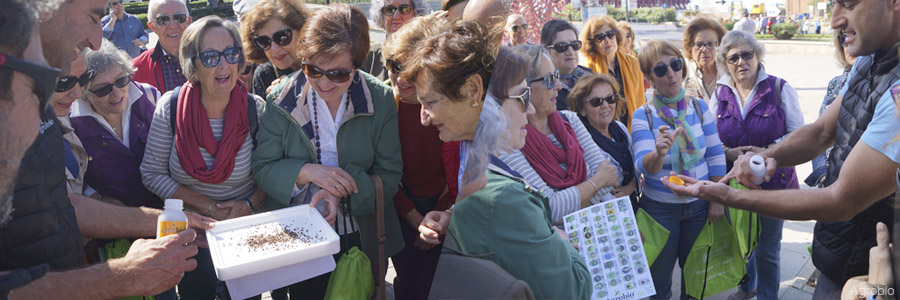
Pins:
<point x="327" y="130"/>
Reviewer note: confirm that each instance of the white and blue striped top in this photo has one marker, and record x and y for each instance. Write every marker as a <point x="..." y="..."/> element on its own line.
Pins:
<point x="712" y="164"/>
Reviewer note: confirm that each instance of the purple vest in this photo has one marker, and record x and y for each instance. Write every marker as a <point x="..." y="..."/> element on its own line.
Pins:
<point x="113" y="169"/>
<point x="764" y="124"/>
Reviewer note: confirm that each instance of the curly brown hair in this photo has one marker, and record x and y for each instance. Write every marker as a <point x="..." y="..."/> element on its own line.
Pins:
<point x="452" y="56"/>
<point x="293" y="13"/>
<point x="336" y="29"/>
<point x="591" y="28"/>
<point x="400" y="45"/>
<point x="586" y="84"/>
<point x="696" y="26"/>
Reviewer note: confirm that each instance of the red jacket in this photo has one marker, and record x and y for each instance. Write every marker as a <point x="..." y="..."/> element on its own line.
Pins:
<point x="148" y="70"/>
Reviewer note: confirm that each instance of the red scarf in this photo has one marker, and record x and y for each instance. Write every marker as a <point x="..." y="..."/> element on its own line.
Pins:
<point x="545" y="157"/>
<point x="192" y="131"/>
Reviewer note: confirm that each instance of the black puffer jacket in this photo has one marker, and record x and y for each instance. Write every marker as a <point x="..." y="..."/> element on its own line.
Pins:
<point x="43" y="229"/>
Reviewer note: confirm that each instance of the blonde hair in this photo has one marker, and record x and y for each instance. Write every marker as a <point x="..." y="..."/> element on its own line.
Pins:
<point x="651" y="53"/>
<point x="591" y="28"/>
<point x="626" y="29"/>
<point x="586" y="84"/>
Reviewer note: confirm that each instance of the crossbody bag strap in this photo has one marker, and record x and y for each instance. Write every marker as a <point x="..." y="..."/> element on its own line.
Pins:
<point x="378" y="236"/>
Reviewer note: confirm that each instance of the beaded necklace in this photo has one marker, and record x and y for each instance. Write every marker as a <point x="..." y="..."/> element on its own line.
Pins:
<point x="316" y="120"/>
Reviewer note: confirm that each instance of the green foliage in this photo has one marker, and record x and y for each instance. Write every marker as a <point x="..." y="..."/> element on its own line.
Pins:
<point x="199" y="9"/>
<point x="784" y="31"/>
<point x="644" y="14"/>
<point x="729" y="26"/>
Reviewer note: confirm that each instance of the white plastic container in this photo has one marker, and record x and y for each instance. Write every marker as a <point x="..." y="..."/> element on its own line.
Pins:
<point x="758" y="167"/>
<point x="172" y="220"/>
<point x="233" y="258"/>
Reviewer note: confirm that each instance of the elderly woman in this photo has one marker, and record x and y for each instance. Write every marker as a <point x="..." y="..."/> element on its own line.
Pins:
<point x="69" y="89"/>
<point x="327" y="132"/>
<point x="561" y="40"/>
<point x="271" y="35"/>
<point x="595" y="98"/>
<point x="602" y="41"/>
<point x="559" y="156"/>
<point x="701" y="38"/>
<point x="674" y="133"/>
<point x="211" y="113"/>
<point x="628" y="38"/>
<point x="423" y="187"/>
<point x="846" y="61"/>
<point x="389" y="15"/>
<point x="754" y="110"/>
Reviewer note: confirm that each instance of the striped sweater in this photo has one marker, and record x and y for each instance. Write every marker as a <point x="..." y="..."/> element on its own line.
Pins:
<point x="644" y="138"/>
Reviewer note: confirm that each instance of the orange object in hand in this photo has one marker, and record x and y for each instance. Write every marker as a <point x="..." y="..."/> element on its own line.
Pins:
<point x="676" y="180"/>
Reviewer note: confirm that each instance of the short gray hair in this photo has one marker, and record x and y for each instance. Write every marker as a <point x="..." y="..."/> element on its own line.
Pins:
<point x="491" y="138"/>
<point x="744" y="12"/>
<point x="375" y="10"/>
<point x="192" y="36"/>
<point x="733" y="39"/>
<point x="108" y="58"/>
<point x="533" y="55"/>
<point x="154" y="5"/>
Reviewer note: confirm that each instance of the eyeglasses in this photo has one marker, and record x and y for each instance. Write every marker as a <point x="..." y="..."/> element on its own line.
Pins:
<point x="247" y="69"/>
<point x="281" y="37"/>
<point x="394" y="66"/>
<point x="44" y="77"/>
<point x="336" y="76"/>
<point x="609" y="34"/>
<point x="746" y="55"/>
<point x="515" y="28"/>
<point x="661" y="69"/>
<point x="707" y="45"/>
<point x="108" y="88"/>
<point x="549" y="79"/>
<point x="114" y="3"/>
<point x="210" y="59"/>
<point x="524" y="98"/>
<point x="562" y="47"/>
<point x="163" y="20"/>
<point x="389" y="10"/>
<point x="66" y="83"/>
<point x="597" y="101"/>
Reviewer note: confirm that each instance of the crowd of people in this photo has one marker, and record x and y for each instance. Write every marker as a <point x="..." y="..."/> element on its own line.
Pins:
<point x="482" y="147"/>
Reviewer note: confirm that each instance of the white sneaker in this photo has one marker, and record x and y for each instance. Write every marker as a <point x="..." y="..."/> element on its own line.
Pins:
<point x="742" y="295"/>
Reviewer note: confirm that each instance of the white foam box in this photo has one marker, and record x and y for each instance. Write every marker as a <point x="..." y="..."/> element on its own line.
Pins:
<point x="232" y="260"/>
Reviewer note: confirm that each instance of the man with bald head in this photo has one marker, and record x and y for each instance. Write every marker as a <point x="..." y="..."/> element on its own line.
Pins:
<point x="516" y="30"/>
<point x="488" y="12"/>
<point x="454" y="8"/>
<point x="160" y="66"/>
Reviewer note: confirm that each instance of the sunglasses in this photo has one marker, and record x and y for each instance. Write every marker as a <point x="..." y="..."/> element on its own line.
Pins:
<point x="842" y="38"/>
<point x="596" y="102"/>
<point x="609" y="34"/>
<point x="746" y="55"/>
<point x="708" y="45"/>
<point x="562" y="47"/>
<point x="524" y="98"/>
<point x="394" y="66"/>
<point x="114" y="3"/>
<point x="661" y="69"/>
<point x="247" y="69"/>
<point x="210" y="59"/>
<point x="44" y="77"/>
<point x="389" y="10"/>
<point x="549" y="79"/>
<point x="515" y="28"/>
<point x="281" y="37"/>
<point x="66" y="83"/>
<point x="163" y="20"/>
<point x="108" y="88"/>
<point x="336" y="76"/>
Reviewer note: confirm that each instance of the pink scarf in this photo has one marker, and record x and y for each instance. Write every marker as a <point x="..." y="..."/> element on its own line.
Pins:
<point x="545" y="157"/>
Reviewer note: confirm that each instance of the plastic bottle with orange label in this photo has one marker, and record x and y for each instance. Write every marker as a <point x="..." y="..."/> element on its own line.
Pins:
<point x="172" y="220"/>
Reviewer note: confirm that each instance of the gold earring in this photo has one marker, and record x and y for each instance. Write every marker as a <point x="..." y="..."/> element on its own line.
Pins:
<point x="474" y="103"/>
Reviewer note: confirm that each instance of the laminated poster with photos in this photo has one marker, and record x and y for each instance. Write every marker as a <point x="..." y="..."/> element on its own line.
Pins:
<point x="607" y="236"/>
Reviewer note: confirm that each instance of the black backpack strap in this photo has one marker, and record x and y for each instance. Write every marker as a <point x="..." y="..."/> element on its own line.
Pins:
<point x="649" y="116"/>
<point x="697" y="109"/>
<point x="251" y="115"/>
<point x="564" y="117"/>
<point x="173" y="107"/>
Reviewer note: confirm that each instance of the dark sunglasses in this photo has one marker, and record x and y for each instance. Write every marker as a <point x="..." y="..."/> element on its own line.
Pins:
<point x="524" y="98"/>
<point x="549" y="80"/>
<point x="389" y="10"/>
<point x="44" y="77"/>
<point x="596" y="102"/>
<point x="281" y="37"/>
<point x="661" y="69"/>
<point x="394" y="66"/>
<point x="336" y="76"/>
<point x="247" y="69"/>
<point x="108" y="88"/>
<point x="210" y="59"/>
<point x="515" y="28"/>
<point x="842" y="38"/>
<point x="163" y="20"/>
<point x="708" y="45"/>
<point x="609" y="34"/>
<point x="562" y="47"/>
<point x="746" y="55"/>
<point x="115" y="3"/>
<point x="66" y="83"/>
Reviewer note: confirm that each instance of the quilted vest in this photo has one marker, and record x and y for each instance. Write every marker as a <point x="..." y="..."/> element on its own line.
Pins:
<point x="841" y="249"/>
<point x="764" y="123"/>
<point x="43" y="229"/>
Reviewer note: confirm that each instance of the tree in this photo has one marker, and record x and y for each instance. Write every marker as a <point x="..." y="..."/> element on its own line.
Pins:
<point x="537" y="13"/>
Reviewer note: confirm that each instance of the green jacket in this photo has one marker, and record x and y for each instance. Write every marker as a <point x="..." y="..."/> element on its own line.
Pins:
<point x="368" y="142"/>
<point x="509" y="223"/>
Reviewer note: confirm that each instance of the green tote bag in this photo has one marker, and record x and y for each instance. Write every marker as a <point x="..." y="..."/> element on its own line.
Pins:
<point x="714" y="263"/>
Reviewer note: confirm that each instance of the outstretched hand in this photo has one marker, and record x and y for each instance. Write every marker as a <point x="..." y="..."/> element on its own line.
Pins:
<point x="702" y="189"/>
